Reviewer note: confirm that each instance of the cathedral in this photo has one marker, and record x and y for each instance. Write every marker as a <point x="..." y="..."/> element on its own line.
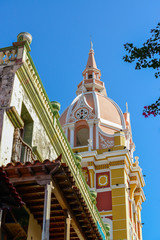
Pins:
<point x="97" y="129"/>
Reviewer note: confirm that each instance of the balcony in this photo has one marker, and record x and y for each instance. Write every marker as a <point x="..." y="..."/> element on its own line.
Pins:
<point x="21" y="151"/>
<point x="91" y="84"/>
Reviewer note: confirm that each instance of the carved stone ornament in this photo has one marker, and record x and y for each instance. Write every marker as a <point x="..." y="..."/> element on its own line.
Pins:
<point x="82" y="110"/>
<point x="106" y="143"/>
<point x="127" y="134"/>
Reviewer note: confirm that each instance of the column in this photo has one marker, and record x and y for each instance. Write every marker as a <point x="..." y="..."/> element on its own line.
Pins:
<point x="72" y="136"/>
<point x="65" y="129"/>
<point x="67" y="227"/>
<point x="97" y="137"/>
<point x="1" y="213"/>
<point x="90" y="130"/>
<point x="46" y="211"/>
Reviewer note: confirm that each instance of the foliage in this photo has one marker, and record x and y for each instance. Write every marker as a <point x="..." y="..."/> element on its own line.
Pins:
<point x="147" y="56"/>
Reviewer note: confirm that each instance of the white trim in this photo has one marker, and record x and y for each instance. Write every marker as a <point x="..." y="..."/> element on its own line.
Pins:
<point x="102" y="162"/>
<point x="80" y="147"/>
<point x="110" y="124"/>
<point x="121" y="229"/>
<point x="70" y="108"/>
<point x="116" y="159"/>
<point x="97" y="137"/>
<point x="97" y="106"/>
<point x="66" y="132"/>
<point x="102" y="170"/>
<point x="105" y="155"/>
<point x="117" y="167"/>
<point x="91" y="167"/>
<point x="118" y="186"/>
<point x="105" y="134"/>
<point x="119" y="196"/>
<point x="119" y="110"/>
<point x="117" y="177"/>
<point x="72" y="136"/>
<point x="120" y="219"/>
<point x="103" y="190"/>
<point x="119" y="205"/>
<point x="105" y="211"/>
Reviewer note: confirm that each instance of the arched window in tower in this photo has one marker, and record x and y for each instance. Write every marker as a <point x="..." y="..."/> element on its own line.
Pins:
<point x="82" y="137"/>
<point x="90" y="76"/>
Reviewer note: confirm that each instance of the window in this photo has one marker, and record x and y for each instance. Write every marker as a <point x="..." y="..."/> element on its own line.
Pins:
<point x="90" y="76"/>
<point x="26" y="133"/>
<point x="82" y="113"/>
<point x="82" y="137"/>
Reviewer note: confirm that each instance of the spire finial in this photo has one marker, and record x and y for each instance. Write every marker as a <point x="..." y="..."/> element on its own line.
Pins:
<point x="91" y="44"/>
<point x="126" y="107"/>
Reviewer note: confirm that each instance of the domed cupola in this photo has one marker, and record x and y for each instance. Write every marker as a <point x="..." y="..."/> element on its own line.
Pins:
<point x="93" y="119"/>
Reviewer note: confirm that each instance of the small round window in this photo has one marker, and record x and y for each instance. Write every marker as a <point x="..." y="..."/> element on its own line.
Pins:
<point x="82" y="113"/>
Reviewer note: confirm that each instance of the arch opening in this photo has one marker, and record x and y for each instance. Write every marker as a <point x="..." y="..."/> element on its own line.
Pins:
<point x="82" y="137"/>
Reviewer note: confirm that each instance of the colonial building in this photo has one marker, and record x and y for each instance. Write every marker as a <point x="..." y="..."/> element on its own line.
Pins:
<point x="39" y="169"/>
<point x="97" y="129"/>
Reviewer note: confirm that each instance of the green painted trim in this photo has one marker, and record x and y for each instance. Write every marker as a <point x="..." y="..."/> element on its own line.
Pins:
<point x="37" y="153"/>
<point x="28" y="48"/>
<point x="15" y="118"/>
<point x="56" y="136"/>
<point x="32" y="63"/>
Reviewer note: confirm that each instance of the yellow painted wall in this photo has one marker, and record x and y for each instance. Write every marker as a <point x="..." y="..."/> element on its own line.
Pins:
<point x="120" y="235"/>
<point x="34" y="229"/>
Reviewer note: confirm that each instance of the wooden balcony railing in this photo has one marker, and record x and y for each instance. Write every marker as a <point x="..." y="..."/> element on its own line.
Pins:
<point x="21" y="152"/>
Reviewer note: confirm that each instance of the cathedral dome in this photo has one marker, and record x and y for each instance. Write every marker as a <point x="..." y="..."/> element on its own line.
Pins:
<point x="92" y="115"/>
<point x="94" y="105"/>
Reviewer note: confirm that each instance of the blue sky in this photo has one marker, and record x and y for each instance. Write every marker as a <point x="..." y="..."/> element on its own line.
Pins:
<point x="61" y="40"/>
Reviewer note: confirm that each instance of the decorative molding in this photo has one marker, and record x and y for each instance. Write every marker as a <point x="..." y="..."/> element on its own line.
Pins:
<point x="100" y="167"/>
<point x="14" y="117"/>
<point x="70" y="108"/>
<point x="106" y="143"/>
<point x="110" y="124"/>
<point x="103" y="180"/>
<point x="82" y="110"/>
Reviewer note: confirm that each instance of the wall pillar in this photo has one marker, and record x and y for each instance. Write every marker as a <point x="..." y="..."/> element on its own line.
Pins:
<point x="72" y="136"/>
<point x="1" y="213"/>
<point x="46" y="211"/>
<point x="97" y="137"/>
<point x="67" y="227"/>
<point x="91" y="131"/>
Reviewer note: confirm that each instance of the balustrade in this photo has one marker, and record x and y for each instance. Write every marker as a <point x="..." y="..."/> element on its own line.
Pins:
<point x="21" y="152"/>
<point x="7" y="56"/>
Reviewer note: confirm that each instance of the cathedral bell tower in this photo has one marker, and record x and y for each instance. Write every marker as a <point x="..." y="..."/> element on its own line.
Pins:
<point x="97" y="129"/>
